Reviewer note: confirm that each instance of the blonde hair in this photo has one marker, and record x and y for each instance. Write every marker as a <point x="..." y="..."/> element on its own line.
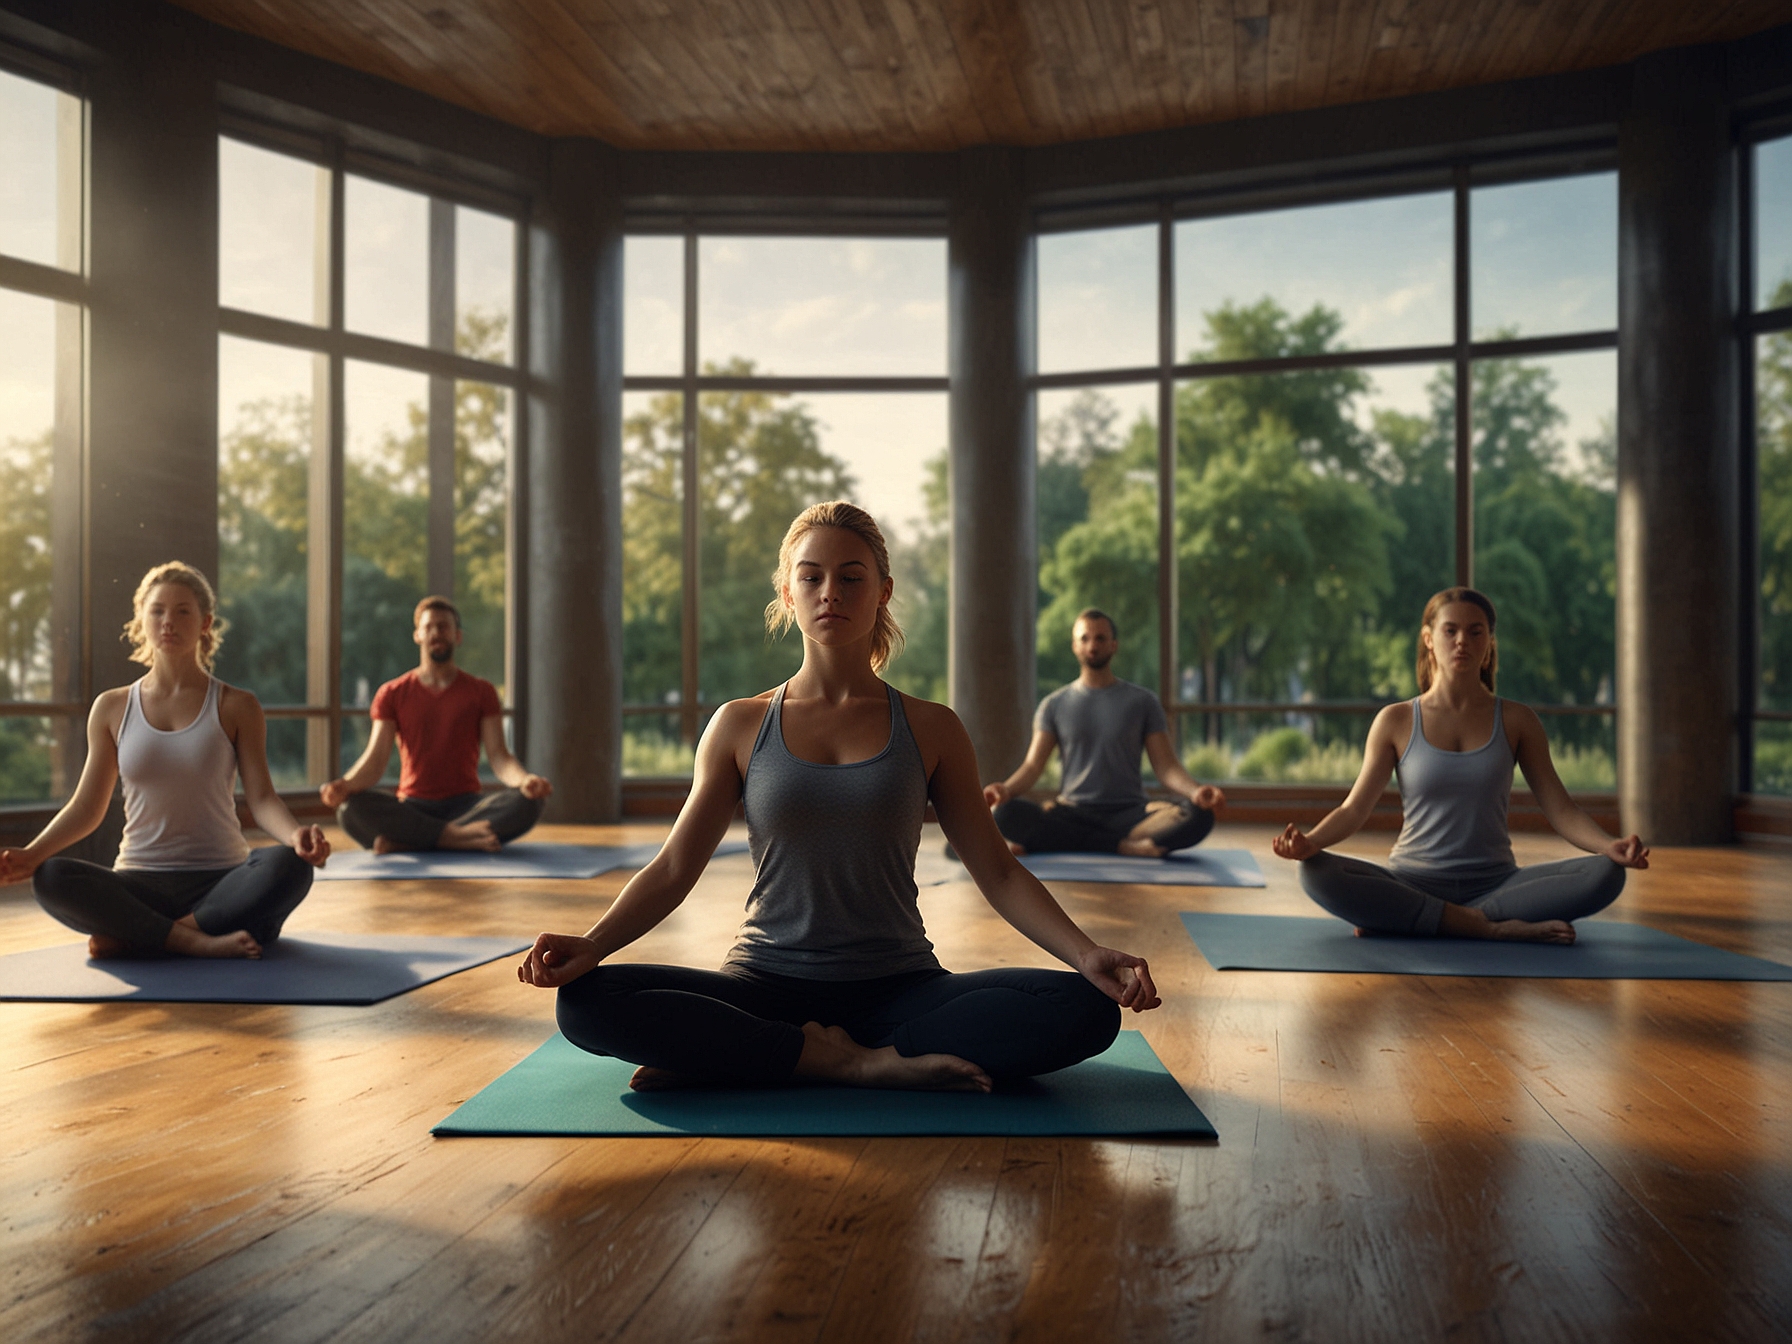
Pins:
<point x="194" y="582"/>
<point x="1427" y="664"/>
<point x="886" y="635"/>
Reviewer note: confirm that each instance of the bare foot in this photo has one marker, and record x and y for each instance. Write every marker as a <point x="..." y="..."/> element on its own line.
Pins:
<point x="186" y="939"/>
<point x="1142" y="849"/>
<point x="831" y="1055"/>
<point x="1523" y="931"/>
<point x="471" y="835"/>
<point x="381" y="845"/>
<point x="101" y="948"/>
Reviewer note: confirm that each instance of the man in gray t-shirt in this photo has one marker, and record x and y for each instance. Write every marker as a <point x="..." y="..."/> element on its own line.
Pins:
<point x="1102" y="725"/>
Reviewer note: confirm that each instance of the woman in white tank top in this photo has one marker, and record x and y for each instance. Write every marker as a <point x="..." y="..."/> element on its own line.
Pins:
<point x="186" y="881"/>
<point x="1451" y="872"/>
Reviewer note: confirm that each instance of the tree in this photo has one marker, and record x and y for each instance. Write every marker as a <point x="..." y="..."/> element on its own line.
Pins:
<point x="25" y="743"/>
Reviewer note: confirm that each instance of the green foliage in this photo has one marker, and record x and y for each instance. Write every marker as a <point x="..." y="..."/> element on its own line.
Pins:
<point x="1773" y="450"/>
<point x="1274" y="753"/>
<point x="25" y="548"/>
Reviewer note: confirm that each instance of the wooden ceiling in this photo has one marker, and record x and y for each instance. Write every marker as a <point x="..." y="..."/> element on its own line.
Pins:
<point x="944" y="74"/>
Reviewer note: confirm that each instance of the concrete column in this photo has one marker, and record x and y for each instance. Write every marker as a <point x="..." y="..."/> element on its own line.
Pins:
<point x="152" y="419"/>
<point x="1677" y="465"/>
<point x="994" y="520"/>
<point x="572" y="659"/>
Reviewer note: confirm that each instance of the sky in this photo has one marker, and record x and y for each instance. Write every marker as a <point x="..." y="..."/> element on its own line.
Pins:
<point x="1544" y="261"/>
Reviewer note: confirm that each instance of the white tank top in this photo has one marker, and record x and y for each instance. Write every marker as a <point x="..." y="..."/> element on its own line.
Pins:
<point x="179" y="791"/>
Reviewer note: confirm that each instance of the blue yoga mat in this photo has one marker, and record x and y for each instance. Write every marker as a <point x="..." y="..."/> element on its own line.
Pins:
<point x="1603" y="949"/>
<point x="338" y="968"/>
<point x="1184" y="868"/>
<point x="523" y="859"/>
<point x="562" y="1090"/>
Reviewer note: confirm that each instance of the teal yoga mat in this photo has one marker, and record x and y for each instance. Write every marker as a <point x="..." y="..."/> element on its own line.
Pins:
<point x="523" y="859"/>
<point x="1603" y="949"/>
<point x="1184" y="868"/>
<point x="335" y="968"/>
<point x="562" y="1090"/>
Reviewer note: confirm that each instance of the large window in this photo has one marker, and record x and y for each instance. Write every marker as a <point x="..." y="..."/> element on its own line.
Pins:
<point x="1266" y="436"/>
<point x="765" y="374"/>
<point x="42" y="307"/>
<point x="368" y="355"/>
<point x="1768" y="275"/>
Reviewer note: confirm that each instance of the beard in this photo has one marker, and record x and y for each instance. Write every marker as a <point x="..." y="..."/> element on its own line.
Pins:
<point x="440" y="653"/>
<point x="1097" y="664"/>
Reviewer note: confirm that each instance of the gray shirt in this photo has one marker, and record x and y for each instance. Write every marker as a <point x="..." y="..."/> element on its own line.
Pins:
<point x="1101" y="735"/>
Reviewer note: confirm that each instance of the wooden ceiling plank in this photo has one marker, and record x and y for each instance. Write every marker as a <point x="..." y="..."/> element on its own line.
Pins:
<point x="1187" y="53"/>
<point x="1221" y="56"/>
<point x="1099" y="62"/>
<point x="653" y="101"/>
<point x="1313" y="59"/>
<point x="1147" y="87"/>
<point x="1061" y="110"/>
<point x="732" y="40"/>
<point x="1352" y="41"/>
<point x="1056" y="63"/>
<point x="931" y="69"/>
<point x="657" y="28"/>
<point x="1287" y="19"/>
<point x="849" y="109"/>
<point x="991" y="47"/>
<point x="1250" y="44"/>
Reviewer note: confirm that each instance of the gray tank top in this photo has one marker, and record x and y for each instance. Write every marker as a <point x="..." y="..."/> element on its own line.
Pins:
<point x="834" y="855"/>
<point x="1455" y="804"/>
<point x="179" y="799"/>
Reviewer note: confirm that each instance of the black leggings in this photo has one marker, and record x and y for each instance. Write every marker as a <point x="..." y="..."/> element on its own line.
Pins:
<point x="1376" y="901"/>
<point x="417" y="823"/>
<point x="743" y="1027"/>
<point x="138" y="906"/>
<point x="1060" y="827"/>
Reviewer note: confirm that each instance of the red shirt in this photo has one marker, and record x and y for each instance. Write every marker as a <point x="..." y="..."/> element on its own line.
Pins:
<point x="438" y="732"/>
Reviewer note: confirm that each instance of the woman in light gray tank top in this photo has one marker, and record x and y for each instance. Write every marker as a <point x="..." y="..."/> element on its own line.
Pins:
<point x="832" y="976"/>
<point x="185" y="881"/>
<point x="1451" y="872"/>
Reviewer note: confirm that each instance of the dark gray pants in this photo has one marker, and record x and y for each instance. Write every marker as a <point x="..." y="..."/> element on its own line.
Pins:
<point x="138" y="906"/>
<point x="1065" y="828"/>
<point x="1376" y="901"/>
<point x="417" y="823"/>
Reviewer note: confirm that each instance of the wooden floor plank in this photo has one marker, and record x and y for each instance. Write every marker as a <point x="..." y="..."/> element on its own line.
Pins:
<point x="1398" y="1156"/>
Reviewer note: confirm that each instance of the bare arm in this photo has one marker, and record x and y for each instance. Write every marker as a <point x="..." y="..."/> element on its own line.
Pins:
<point x="247" y="727"/>
<point x="1380" y="754"/>
<point x="86" y="807"/>
<point x="506" y="766"/>
<point x="366" y="771"/>
<point x="1039" y="753"/>
<point x="658" y="889"/>
<point x="1562" y="812"/>
<point x="1173" y="777"/>
<point x="1011" y="890"/>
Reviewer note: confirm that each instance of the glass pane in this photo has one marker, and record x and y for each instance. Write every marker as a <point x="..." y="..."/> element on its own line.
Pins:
<point x="1583" y="749"/>
<point x="264" y="470"/>
<point x="27" y="425"/>
<point x="1098" y="526"/>
<point x="761" y="460"/>
<point x="651" y="748"/>
<point x="1314" y="516"/>
<point x="1380" y="269"/>
<point x="1098" y="299"/>
<point x="385" y="562"/>
<point x="1545" y="453"/>
<point x="484" y="285"/>
<point x="386" y="242"/>
<point x="1773" y="448"/>
<point x="1773" y="224"/>
<point x="482" y="529"/>
<point x="652" y="547"/>
<point x="270" y="210"/>
<point x="28" y="128"/>
<point x="36" y="754"/>
<point x="653" y="305"/>
<point x="356" y="728"/>
<point x="286" y="752"/>
<point x="1545" y="257"/>
<point x="1286" y="748"/>
<point x="893" y="448"/>
<point x="788" y="306"/>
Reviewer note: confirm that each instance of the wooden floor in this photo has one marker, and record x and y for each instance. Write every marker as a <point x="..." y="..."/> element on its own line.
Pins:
<point x="1399" y="1158"/>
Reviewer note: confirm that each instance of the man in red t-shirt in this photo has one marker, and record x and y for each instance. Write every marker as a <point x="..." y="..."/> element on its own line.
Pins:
<point x="440" y="717"/>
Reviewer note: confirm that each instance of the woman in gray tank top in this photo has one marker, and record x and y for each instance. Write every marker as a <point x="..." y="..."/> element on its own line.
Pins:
<point x="832" y="976"/>
<point x="1451" y="872"/>
<point x="185" y="881"/>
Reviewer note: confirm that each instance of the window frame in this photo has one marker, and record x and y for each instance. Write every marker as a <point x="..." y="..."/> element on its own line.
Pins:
<point x="335" y="344"/>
